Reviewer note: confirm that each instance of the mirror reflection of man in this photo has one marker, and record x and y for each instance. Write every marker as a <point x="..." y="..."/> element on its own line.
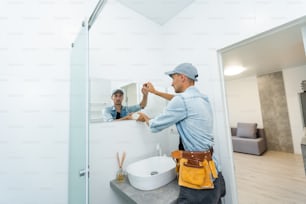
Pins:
<point x="119" y="112"/>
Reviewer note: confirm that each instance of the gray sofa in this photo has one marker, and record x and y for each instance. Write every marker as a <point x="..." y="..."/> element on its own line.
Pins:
<point x="254" y="143"/>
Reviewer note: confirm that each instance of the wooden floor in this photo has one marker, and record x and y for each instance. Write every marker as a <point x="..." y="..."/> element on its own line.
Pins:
<point x="274" y="177"/>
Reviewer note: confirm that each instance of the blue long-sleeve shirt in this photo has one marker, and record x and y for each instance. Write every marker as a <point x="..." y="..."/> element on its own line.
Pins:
<point x="191" y="112"/>
<point x="109" y="113"/>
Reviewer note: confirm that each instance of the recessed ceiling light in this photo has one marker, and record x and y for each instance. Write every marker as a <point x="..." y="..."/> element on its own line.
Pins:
<point x="233" y="70"/>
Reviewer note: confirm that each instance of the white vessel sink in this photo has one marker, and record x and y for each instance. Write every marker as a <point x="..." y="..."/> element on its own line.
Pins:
<point x="151" y="173"/>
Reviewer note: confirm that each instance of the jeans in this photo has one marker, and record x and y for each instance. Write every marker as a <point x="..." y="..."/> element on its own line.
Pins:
<point x="203" y="196"/>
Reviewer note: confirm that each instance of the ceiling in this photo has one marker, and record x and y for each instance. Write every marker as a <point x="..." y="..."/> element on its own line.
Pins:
<point x="268" y="52"/>
<point x="159" y="11"/>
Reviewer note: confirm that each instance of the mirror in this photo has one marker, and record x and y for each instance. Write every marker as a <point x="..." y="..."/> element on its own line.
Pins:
<point x="100" y="97"/>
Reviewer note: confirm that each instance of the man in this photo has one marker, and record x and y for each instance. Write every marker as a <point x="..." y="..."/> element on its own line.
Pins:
<point x="120" y="112"/>
<point x="191" y="112"/>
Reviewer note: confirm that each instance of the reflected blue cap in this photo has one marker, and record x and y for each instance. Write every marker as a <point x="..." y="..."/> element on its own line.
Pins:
<point x="115" y="91"/>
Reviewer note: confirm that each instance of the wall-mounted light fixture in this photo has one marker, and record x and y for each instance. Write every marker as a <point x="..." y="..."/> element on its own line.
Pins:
<point x="233" y="70"/>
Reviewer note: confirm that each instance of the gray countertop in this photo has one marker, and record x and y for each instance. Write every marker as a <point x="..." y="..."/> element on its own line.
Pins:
<point x="163" y="195"/>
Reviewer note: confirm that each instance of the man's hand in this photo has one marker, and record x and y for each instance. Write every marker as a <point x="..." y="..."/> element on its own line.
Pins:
<point x="144" y="90"/>
<point x="149" y="87"/>
<point x="144" y="100"/>
<point x="143" y="118"/>
<point x="128" y="117"/>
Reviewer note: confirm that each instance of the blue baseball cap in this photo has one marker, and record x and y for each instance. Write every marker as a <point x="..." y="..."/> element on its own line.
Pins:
<point x="115" y="91"/>
<point x="187" y="69"/>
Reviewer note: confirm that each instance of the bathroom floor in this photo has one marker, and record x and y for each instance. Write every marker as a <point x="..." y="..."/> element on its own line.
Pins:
<point x="275" y="177"/>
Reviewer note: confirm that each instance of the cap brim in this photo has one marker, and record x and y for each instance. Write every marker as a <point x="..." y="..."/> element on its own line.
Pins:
<point x="118" y="92"/>
<point x="170" y="73"/>
<point x="173" y="72"/>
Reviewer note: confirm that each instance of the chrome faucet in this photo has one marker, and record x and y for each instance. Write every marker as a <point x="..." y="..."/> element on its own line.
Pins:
<point x="159" y="150"/>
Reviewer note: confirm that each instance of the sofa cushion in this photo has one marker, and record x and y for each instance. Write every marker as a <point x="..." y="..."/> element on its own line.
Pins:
<point x="247" y="130"/>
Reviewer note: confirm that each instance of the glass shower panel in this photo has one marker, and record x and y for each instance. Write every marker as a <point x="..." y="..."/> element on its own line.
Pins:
<point x="78" y="130"/>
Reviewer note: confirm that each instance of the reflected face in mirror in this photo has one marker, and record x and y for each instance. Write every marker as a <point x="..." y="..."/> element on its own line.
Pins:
<point x="117" y="98"/>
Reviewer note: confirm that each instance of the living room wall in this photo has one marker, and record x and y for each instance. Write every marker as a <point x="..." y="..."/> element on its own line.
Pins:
<point x="243" y="101"/>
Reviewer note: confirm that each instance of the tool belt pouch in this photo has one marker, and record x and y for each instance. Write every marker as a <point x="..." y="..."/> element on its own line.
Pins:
<point x="196" y="174"/>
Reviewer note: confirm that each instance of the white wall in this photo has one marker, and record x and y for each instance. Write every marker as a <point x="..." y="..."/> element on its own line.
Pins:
<point x="243" y="101"/>
<point x="125" y="47"/>
<point x="35" y="42"/>
<point x="292" y="80"/>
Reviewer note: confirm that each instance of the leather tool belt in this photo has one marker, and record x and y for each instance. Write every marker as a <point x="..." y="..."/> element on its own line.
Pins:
<point x="196" y="169"/>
